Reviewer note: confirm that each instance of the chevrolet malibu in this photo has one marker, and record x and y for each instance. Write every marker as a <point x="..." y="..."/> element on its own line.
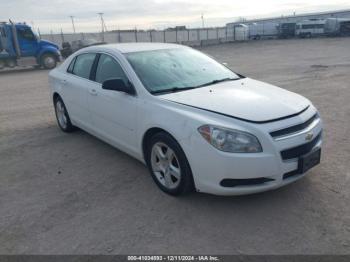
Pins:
<point x="195" y="124"/>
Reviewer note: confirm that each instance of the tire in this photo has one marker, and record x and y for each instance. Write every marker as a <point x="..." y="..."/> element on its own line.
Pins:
<point x="2" y="64"/>
<point x="170" y="170"/>
<point x="62" y="116"/>
<point x="11" y="63"/>
<point x="48" y="61"/>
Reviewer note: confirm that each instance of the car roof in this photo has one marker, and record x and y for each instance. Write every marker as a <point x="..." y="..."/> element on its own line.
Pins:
<point x="134" y="47"/>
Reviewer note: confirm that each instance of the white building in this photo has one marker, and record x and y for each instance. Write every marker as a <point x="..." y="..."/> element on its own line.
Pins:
<point x="284" y="26"/>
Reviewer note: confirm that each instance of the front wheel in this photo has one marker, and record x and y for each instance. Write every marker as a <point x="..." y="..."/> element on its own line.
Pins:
<point x="168" y="165"/>
<point x="48" y="61"/>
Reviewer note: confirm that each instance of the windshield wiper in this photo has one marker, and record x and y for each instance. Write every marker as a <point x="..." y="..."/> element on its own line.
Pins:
<point x="173" y="90"/>
<point x="179" y="89"/>
<point x="219" y="81"/>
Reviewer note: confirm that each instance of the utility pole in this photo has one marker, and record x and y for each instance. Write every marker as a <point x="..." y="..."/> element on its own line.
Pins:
<point x="103" y="26"/>
<point x="62" y="36"/>
<point x="202" y="17"/>
<point x="72" y="18"/>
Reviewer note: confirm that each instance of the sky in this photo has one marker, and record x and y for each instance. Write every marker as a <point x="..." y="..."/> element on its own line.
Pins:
<point x="54" y="15"/>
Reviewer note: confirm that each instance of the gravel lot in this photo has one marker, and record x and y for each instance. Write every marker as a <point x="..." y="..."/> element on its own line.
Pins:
<point x="73" y="194"/>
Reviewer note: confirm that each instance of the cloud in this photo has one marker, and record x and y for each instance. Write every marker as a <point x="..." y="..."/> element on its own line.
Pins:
<point x="54" y="14"/>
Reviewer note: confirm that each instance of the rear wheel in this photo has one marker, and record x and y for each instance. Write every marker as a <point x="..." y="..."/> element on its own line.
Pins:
<point x="48" y="61"/>
<point x="168" y="165"/>
<point x="11" y="63"/>
<point x="63" y="119"/>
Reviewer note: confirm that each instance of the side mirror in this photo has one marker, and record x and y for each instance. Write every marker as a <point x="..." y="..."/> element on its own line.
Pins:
<point x="119" y="85"/>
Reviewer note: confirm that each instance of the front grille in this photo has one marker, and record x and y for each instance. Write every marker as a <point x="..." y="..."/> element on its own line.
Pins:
<point x="300" y="150"/>
<point x="294" y="129"/>
<point x="245" y="182"/>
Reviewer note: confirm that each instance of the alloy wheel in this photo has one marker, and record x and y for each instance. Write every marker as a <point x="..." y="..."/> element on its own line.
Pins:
<point x="165" y="165"/>
<point x="61" y="114"/>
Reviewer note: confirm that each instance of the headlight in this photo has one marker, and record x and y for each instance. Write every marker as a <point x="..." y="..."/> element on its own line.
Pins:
<point x="229" y="140"/>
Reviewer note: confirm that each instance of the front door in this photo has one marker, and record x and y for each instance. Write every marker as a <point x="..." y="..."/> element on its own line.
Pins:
<point x="113" y="113"/>
<point x="27" y="41"/>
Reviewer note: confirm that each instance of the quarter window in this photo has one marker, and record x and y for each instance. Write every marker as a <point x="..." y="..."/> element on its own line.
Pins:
<point x="71" y="66"/>
<point x="83" y="64"/>
<point x="109" y="68"/>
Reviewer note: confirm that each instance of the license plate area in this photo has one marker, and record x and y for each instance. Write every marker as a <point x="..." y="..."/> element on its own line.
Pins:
<point x="308" y="161"/>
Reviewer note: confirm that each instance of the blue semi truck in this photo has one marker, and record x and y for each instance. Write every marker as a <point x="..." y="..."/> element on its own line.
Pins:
<point x="19" y="45"/>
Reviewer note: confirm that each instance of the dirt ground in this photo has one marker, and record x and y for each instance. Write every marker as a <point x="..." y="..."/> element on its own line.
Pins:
<point x="73" y="194"/>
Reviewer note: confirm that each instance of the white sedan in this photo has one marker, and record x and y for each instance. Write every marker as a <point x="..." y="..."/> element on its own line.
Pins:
<point x="196" y="124"/>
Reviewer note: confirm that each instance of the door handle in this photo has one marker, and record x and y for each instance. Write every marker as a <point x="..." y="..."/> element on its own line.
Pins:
<point x="93" y="92"/>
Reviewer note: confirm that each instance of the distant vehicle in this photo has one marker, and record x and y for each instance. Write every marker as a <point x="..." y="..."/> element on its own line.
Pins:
<point x="286" y="30"/>
<point x="19" y="44"/>
<point x="79" y="44"/>
<point x="66" y="49"/>
<point x="337" y="27"/>
<point x="263" y="30"/>
<point x="240" y="32"/>
<point x="70" y="48"/>
<point x="310" y="28"/>
<point x="196" y="124"/>
<point x="177" y="28"/>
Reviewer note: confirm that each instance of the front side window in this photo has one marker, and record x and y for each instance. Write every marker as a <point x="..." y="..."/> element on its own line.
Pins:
<point x="181" y="68"/>
<point x="26" y="33"/>
<point x="83" y="64"/>
<point x="109" y="68"/>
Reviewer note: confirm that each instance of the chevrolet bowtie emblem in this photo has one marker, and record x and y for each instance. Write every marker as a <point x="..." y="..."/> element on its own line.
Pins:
<point x="309" y="136"/>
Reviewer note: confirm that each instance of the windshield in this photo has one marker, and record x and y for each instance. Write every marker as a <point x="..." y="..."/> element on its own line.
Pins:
<point x="178" y="69"/>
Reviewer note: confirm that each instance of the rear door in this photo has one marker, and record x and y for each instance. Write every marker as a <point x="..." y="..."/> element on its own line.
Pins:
<point x="76" y="86"/>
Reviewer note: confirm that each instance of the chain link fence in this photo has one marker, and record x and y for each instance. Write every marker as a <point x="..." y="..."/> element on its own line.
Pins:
<point x="191" y="37"/>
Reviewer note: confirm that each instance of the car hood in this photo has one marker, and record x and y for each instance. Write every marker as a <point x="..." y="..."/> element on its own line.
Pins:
<point x="246" y="99"/>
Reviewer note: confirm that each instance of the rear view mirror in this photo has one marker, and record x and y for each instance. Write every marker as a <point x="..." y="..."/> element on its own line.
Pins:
<point x="119" y="85"/>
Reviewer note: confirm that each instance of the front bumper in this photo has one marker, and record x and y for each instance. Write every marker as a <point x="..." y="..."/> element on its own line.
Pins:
<point x="267" y="170"/>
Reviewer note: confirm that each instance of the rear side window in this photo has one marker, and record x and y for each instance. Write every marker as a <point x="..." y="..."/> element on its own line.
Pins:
<point x="82" y="65"/>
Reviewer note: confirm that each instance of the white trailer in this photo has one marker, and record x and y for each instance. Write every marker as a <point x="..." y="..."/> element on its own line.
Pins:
<point x="241" y="32"/>
<point x="337" y="26"/>
<point x="238" y="32"/>
<point x="263" y="30"/>
<point x="310" y="28"/>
